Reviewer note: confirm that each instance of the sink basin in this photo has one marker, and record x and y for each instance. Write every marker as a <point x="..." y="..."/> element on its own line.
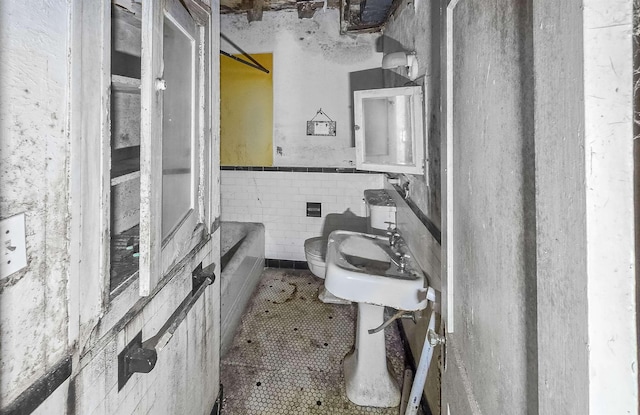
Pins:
<point x="362" y="268"/>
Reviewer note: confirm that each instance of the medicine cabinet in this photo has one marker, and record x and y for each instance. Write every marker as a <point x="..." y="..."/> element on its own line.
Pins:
<point x="389" y="130"/>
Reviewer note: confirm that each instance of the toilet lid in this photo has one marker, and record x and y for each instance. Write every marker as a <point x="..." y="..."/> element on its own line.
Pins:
<point x="316" y="247"/>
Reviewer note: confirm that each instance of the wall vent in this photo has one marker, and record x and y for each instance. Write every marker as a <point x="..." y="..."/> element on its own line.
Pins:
<point x="314" y="210"/>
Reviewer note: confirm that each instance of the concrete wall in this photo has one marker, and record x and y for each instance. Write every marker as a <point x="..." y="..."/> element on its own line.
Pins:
<point x="34" y="100"/>
<point x="38" y="305"/>
<point x="492" y="180"/>
<point x="311" y="66"/>
<point x="537" y="180"/>
<point x="561" y="204"/>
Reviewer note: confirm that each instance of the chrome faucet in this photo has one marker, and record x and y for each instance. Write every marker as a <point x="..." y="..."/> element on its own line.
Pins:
<point x="399" y="259"/>
<point x="394" y="238"/>
<point x="393" y="234"/>
<point x="403" y="261"/>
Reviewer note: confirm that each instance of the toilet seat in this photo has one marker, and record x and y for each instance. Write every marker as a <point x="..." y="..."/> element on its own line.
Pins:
<point x="315" y="250"/>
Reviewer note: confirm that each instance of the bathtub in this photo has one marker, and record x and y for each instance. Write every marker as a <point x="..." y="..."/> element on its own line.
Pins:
<point x="242" y="262"/>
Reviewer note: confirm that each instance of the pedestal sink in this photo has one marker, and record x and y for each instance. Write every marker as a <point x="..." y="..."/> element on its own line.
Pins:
<point x="361" y="268"/>
<point x="364" y="269"/>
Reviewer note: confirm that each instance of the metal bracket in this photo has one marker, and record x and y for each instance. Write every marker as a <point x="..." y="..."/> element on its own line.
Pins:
<point x="199" y="276"/>
<point x="135" y="359"/>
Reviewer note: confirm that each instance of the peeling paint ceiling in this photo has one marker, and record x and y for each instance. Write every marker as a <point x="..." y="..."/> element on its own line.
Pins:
<point x="355" y="16"/>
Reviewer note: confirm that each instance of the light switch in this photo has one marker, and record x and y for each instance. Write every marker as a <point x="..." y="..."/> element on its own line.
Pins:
<point x="13" y="245"/>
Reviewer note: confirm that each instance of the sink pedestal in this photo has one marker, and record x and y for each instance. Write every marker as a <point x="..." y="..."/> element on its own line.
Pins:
<point x="368" y="381"/>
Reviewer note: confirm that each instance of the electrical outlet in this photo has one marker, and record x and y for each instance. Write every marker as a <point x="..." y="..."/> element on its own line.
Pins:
<point x="12" y="245"/>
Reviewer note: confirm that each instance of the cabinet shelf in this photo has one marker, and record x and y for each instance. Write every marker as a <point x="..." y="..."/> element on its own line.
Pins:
<point x="125" y="178"/>
<point x="125" y="84"/>
<point x="124" y="258"/>
<point x="125" y="164"/>
<point x="126" y="167"/>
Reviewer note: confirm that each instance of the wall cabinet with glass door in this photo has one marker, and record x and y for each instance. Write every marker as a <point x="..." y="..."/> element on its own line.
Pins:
<point x="157" y="129"/>
<point x="141" y="155"/>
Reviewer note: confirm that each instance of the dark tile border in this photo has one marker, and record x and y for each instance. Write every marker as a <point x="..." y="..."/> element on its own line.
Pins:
<point x="301" y="169"/>
<point x="285" y="263"/>
<point x="40" y="390"/>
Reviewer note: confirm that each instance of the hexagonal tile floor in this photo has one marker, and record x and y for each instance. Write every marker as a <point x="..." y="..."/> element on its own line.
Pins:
<point x="286" y="356"/>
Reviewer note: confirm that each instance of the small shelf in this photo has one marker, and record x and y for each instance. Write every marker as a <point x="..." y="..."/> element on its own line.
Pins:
<point x="125" y="162"/>
<point x="125" y="178"/>
<point x="125" y="84"/>
<point x="124" y="256"/>
<point x="125" y="168"/>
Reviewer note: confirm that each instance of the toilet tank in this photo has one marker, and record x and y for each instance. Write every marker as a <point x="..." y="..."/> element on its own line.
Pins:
<point x="380" y="209"/>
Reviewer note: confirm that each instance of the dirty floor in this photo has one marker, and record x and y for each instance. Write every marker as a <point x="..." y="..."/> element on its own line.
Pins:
<point x="286" y="356"/>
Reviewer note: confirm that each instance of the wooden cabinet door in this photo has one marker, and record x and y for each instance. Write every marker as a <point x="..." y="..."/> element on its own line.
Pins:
<point x="171" y="152"/>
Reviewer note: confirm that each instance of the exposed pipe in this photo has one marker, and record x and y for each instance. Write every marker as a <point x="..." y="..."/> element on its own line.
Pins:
<point x="381" y="327"/>
<point x="235" y="58"/>
<point x="254" y="63"/>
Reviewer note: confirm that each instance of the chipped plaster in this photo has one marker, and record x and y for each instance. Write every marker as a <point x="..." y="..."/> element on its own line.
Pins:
<point x="33" y="154"/>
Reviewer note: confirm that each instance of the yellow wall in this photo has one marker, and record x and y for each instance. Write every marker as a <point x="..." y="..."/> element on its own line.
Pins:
<point x="246" y="112"/>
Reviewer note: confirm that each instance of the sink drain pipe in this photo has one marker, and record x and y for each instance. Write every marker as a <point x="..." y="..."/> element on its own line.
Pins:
<point x="431" y="339"/>
<point x="381" y="327"/>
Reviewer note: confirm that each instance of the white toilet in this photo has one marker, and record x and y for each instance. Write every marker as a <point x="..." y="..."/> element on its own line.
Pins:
<point x="381" y="214"/>
<point x="381" y="211"/>
<point x="315" y="250"/>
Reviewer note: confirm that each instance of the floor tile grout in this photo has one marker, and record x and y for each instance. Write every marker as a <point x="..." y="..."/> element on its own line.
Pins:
<point x="286" y="356"/>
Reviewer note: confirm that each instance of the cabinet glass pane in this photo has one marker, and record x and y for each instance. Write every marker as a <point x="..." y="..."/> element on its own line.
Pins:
<point x="177" y="125"/>
<point x="387" y="130"/>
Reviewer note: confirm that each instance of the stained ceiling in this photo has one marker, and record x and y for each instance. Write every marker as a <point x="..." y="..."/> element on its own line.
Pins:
<point x="355" y="16"/>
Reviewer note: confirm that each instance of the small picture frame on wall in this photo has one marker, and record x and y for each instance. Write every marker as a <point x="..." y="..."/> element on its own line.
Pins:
<point x="321" y="128"/>
<point x="325" y="128"/>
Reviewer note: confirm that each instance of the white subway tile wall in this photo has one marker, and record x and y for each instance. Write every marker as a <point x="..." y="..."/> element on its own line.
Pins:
<point x="279" y="200"/>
